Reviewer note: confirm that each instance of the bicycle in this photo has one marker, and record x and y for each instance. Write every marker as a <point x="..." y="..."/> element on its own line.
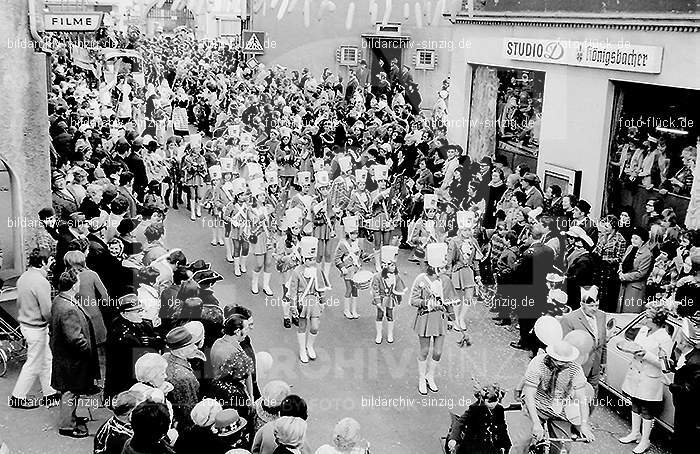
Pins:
<point x="544" y="446"/>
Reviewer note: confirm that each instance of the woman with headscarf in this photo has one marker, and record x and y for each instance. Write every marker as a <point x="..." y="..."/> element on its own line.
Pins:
<point x="290" y="434"/>
<point x="633" y="271"/>
<point x="229" y="388"/>
<point x="345" y="439"/>
<point x="199" y="437"/>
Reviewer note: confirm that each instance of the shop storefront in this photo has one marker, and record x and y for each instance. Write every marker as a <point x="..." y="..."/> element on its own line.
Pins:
<point x="558" y="95"/>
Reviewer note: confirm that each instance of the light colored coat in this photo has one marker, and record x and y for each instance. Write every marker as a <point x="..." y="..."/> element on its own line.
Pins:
<point x="644" y="379"/>
<point x="577" y="320"/>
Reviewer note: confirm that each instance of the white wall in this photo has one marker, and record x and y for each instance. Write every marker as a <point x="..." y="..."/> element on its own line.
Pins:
<point x="577" y="110"/>
<point x="296" y="46"/>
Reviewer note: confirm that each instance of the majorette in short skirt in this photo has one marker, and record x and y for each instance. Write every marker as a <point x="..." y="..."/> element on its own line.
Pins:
<point x="431" y="323"/>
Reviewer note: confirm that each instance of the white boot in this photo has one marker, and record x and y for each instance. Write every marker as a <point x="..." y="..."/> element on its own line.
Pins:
<point x="244" y="258"/>
<point x="301" y="340"/>
<point x="354" y="308"/>
<point x="254" y="283"/>
<point x="213" y="236"/>
<point x="346" y="308"/>
<point x="634" y="434"/>
<point x="644" y="443"/>
<point x="378" y="326"/>
<point x="377" y="262"/>
<point x="430" y="376"/>
<point x="220" y="235"/>
<point x="198" y="207"/>
<point x="390" y="332"/>
<point x="327" y="269"/>
<point x="310" y="339"/>
<point x="237" y="266"/>
<point x="266" y="284"/>
<point x="193" y="215"/>
<point x="422" y="389"/>
<point x="229" y="249"/>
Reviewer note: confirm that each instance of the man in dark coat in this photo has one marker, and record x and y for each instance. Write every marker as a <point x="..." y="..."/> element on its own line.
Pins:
<point x="185" y="393"/>
<point x="128" y="339"/>
<point x="528" y="288"/>
<point x="580" y="266"/>
<point x="75" y="364"/>
<point x="127" y="190"/>
<point x="138" y="168"/>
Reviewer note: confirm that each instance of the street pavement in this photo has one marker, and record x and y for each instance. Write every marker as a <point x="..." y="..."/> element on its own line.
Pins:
<point x="375" y="384"/>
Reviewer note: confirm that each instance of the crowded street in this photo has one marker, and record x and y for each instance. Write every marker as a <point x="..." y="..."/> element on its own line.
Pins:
<point x="351" y="370"/>
<point x="322" y="227"/>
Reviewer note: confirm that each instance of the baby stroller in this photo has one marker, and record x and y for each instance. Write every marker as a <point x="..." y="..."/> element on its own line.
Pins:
<point x="13" y="347"/>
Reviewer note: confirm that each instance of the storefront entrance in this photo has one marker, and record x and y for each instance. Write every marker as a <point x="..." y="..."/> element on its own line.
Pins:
<point x="381" y="51"/>
<point x="652" y="149"/>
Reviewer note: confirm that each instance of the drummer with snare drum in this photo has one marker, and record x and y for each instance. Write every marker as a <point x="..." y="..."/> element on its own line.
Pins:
<point x="387" y="292"/>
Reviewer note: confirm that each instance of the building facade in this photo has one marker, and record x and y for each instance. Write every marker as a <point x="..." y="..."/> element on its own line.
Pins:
<point x="567" y="92"/>
<point x="24" y="154"/>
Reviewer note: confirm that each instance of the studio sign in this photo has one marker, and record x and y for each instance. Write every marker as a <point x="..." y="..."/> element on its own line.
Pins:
<point x="621" y="56"/>
<point x="550" y="50"/>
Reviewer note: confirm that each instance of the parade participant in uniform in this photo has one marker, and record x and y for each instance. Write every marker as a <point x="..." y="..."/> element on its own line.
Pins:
<point x="226" y="197"/>
<point x="463" y="256"/>
<point x="427" y="228"/>
<point x="307" y="294"/>
<point x="387" y="292"/>
<point x="286" y="156"/>
<point x="276" y="196"/>
<point x="214" y="200"/>
<point x="261" y="237"/>
<point x="360" y="202"/>
<point x="381" y="223"/>
<point x="194" y="169"/>
<point x="323" y="215"/>
<point x="348" y="260"/>
<point x="303" y="199"/>
<point x="342" y="186"/>
<point x="432" y="293"/>
<point x="237" y="215"/>
<point x="288" y="257"/>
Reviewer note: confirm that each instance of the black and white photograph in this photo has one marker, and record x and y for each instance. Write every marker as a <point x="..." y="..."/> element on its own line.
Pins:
<point x="349" y="227"/>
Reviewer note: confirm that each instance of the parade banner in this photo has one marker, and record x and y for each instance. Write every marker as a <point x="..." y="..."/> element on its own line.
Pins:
<point x="617" y="56"/>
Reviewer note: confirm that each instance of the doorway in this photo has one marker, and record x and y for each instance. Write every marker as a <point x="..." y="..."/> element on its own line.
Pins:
<point x="381" y="52"/>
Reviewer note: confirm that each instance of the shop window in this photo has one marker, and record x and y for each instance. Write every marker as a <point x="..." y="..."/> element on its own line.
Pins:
<point x="652" y="149"/>
<point x="505" y="114"/>
<point x="426" y="59"/>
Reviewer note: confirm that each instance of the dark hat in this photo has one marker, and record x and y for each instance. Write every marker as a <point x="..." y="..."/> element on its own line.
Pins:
<point x="584" y="206"/>
<point x="127" y="225"/>
<point x="206" y="277"/>
<point x="641" y="233"/>
<point x="76" y="217"/>
<point x="132" y="247"/>
<point x="128" y="303"/>
<point x="154" y="230"/>
<point x="178" y="337"/>
<point x="198" y="265"/>
<point x="228" y="422"/>
<point x="669" y="247"/>
<point x="486" y="160"/>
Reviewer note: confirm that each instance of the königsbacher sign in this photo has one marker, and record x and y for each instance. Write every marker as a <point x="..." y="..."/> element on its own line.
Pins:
<point x="618" y="56"/>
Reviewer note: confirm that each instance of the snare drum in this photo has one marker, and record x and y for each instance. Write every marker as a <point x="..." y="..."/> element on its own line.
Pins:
<point x="362" y="279"/>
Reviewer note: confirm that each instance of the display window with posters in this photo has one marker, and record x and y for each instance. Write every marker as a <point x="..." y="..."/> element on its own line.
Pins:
<point x="653" y="151"/>
<point x="505" y="114"/>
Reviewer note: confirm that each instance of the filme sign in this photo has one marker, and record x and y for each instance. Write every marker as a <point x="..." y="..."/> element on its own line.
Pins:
<point x="621" y="56"/>
<point x="72" y="22"/>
